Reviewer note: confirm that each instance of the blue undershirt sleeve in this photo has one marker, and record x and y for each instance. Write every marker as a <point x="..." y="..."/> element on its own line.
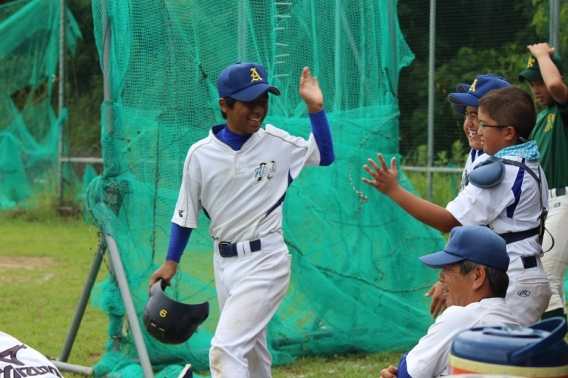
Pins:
<point x="322" y="133"/>
<point x="179" y="237"/>
<point x="402" y="372"/>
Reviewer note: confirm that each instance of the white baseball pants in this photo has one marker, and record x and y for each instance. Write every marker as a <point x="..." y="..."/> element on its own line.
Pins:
<point x="250" y="287"/>
<point x="555" y="261"/>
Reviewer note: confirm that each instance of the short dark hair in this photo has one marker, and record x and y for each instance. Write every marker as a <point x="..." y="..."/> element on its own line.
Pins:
<point x="230" y="102"/>
<point x="511" y="106"/>
<point x="498" y="279"/>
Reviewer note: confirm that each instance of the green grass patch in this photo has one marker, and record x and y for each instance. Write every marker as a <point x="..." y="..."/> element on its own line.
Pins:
<point x="44" y="262"/>
<point x="45" y="259"/>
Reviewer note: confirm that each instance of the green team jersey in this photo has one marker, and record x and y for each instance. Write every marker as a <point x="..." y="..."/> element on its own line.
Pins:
<point x="551" y="137"/>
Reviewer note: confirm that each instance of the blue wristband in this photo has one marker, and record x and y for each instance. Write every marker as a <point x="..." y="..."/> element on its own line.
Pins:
<point x="322" y="133"/>
<point x="179" y="237"/>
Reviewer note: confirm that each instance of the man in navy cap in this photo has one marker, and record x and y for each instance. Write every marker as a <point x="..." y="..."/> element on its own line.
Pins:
<point x="474" y="279"/>
<point x="239" y="175"/>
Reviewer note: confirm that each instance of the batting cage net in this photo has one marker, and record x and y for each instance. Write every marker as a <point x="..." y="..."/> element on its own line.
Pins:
<point x="357" y="283"/>
<point x="31" y="121"/>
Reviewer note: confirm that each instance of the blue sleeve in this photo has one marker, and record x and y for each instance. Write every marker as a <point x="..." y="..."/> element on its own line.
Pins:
<point x="179" y="237"/>
<point x="402" y="372"/>
<point x="322" y="133"/>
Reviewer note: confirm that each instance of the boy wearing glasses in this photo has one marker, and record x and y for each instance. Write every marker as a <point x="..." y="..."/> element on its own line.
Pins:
<point x="464" y="102"/>
<point x="544" y="73"/>
<point x="505" y="197"/>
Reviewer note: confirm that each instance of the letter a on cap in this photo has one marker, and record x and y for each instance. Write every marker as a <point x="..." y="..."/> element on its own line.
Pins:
<point x="530" y="62"/>
<point x="472" y="88"/>
<point x="254" y="75"/>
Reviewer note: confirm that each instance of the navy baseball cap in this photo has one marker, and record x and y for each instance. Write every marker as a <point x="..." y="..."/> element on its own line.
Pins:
<point x="532" y="70"/>
<point x="475" y="243"/>
<point x="480" y="86"/>
<point x="460" y="108"/>
<point x="244" y="82"/>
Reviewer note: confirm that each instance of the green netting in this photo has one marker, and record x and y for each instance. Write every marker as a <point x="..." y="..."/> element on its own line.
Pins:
<point x="29" y="126"/>
<point x="357" y="283"/>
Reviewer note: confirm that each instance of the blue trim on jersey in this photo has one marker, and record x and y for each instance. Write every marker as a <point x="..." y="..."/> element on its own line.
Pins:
<point x="234" y="140"/>
<point x="179" y="237"/>
<point x="475" y="153"/>
<point x="517" y="190"/>
<point x="322" y="133"/>
<point x="402" y="370"/>
<point x="320" y="128"/>
<point x="281" y="198"/>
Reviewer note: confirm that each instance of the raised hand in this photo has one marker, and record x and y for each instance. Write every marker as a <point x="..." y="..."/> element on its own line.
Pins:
<point x="541" y="49"/>
<point x="310" y="91"/>
<point x="385" y="180"/>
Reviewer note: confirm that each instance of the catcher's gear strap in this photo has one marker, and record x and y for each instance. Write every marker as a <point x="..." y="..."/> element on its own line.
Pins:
<point x="490" y="173"/>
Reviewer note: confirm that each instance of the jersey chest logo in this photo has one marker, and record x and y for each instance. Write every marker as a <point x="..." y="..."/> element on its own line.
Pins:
<point x="549" y="122"/>
<point x="264" y="172"/>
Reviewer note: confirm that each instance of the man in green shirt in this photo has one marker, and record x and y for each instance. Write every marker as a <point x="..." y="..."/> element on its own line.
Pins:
<point x="544" y="73"/>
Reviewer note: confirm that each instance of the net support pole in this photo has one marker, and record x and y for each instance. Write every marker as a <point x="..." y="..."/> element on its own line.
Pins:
<point x="553" y="21"/>
<point x="61" y="88"/>
<point x="83" y="301"/>
<point x="131" y="315"/>
<point x="112" y="247"/>
<point x="394" y="48"/>
<point x="431" y="73"/>
<point x="242" y="37"/>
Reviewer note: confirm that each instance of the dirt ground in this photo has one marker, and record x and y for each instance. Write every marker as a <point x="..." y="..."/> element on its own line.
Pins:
<point x="25" y="262"/>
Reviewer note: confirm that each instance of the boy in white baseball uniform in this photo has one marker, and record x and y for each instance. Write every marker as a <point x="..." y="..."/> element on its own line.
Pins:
<point x="505" y="196"/>
<point x="465" y="102"/>
<point x="473" y="273"/>
<point x="238" y="176"/>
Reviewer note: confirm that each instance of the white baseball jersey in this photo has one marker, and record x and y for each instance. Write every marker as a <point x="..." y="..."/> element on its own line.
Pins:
<point x="511" y="206"/>
<point x="19" y="360"/>
<point x="429" y="358"/>
<point x="248" y="205"/>
<point x="473" y="158"/>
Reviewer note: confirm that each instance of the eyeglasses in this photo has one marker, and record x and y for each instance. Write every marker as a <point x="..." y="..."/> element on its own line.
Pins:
<point x="483" y="125"/>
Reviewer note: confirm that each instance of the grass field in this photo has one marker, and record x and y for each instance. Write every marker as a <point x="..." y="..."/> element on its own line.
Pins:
<point x="44" y="262"/>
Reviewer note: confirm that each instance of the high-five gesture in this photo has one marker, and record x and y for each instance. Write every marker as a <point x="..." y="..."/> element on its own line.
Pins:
<point x="310" y="91"/>
<point x="385" y="180"/>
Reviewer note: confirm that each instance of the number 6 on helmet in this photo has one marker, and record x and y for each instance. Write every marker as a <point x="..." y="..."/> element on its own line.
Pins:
<point x="169" y="321"/>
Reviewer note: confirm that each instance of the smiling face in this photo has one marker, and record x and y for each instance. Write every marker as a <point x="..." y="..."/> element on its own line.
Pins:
<point x="541" y="93"/>
<point x="246" y="117"/>
<point x="470" y="127"/>
<point x="457" y="287"/>
<point x="493" y="139"/>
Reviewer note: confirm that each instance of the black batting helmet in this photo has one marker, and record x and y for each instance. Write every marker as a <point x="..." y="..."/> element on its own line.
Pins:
<point x="169" y="321"/>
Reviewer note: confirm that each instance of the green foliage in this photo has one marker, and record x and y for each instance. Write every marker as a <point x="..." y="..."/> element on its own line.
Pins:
<point x="469" y="41"/>
<point x="456" y="157"/>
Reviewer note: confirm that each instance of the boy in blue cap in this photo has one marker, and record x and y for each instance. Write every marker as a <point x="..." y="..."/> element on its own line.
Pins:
<point x="238" y="176"/>
<point x="465" y="103"/>
<point x="505" y="197"/>
<point x="544" y="73"/>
